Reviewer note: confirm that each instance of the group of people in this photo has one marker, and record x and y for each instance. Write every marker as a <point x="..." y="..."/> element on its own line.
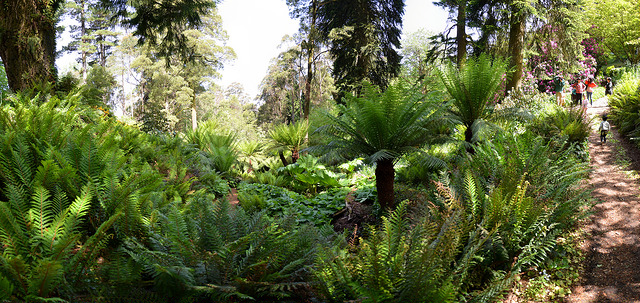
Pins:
<point x="580" y="88"/>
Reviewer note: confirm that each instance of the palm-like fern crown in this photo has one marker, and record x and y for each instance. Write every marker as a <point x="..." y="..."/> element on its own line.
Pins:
<point x="380" y="125"/>
<point x="473" y="87"/>
<point x="208" y="135"/>
<point x="290" y="136"/>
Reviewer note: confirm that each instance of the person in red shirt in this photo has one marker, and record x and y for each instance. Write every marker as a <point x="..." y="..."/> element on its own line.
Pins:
<point x="590" y="85"/>
<point x="579" y="87"/>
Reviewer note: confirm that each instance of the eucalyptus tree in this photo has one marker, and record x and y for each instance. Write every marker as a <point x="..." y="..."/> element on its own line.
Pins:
<point x="382" y="127"/>
<point x="28" y="31"/>
<point x="232" y="109"/>
<point x="307" y="12"/>
<point x="364" y="36"/>
<point x="176" y="88"/>
<point x="119" y="63"/>
<point x="283" y="90"/>
<point x="416" y="51"/>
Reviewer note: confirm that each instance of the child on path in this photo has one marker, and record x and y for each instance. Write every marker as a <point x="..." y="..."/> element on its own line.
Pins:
<point x="590" y="84"/>
<point x="604" y="129"/>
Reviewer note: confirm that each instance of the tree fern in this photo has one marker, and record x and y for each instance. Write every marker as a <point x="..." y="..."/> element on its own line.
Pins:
<point x="382" y="127"/>
<point x="473" y="90"/>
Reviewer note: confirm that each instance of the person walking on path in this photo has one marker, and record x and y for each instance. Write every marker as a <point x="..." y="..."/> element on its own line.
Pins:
<point x="579" y="87"/>
<point x="608" y="86"/>
<point x="590" y="85"/>
<point x="604" y="129"/>
<point x="558" y="87"/>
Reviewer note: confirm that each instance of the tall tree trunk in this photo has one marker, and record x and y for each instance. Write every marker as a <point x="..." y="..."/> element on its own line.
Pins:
<point x="311" y="47"/>
<point x="516" y="47"/>
<point x="194" y="113"/>
<point x="461" y="29"/>
<point x="84" y="41"/>
<point x="385" y="175"/>
<point x="28" y="41"/>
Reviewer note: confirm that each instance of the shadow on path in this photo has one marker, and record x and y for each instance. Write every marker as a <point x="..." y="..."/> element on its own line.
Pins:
<point x="612" y="245"/>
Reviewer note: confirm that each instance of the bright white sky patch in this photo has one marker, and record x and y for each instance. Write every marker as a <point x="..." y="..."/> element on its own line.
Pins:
<point x="256" y="28"/>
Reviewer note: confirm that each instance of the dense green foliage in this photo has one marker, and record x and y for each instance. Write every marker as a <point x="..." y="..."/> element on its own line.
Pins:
<point x="428" y="187"/>
<point x="363" y="37"/>
<point x="382" y="127"/>
<point x="483" y="231"/>
<point x="144" y="216"/>
<point x="615" y="23"/>
<point x="625" y="103"/>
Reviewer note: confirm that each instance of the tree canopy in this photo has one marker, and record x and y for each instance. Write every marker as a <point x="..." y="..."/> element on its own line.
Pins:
<point x="28" y="30"/>
<point x="364" y="37"/>
<point x="616" y="24"/>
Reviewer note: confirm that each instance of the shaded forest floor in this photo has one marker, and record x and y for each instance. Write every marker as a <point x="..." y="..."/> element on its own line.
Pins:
<point x="611" y="269"/>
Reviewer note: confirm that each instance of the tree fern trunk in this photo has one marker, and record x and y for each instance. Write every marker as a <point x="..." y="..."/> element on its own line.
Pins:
<point x="283" y="159"/>
<point x="468" y="137"/>
<point x="385" y="175"/>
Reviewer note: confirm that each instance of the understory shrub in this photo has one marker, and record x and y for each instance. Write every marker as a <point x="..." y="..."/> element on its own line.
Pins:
<point x="278" y="201"/>
<point x="568" y="125"/>
<point x="625" y="104"/>
<point x="208" y="251"/>
<point x="490" y="219"/>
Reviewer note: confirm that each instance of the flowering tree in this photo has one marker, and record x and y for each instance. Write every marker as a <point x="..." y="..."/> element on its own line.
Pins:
<point x="550" y="58"/>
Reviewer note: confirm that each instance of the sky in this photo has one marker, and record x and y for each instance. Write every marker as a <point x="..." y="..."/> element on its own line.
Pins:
<point x="256" y="28"/>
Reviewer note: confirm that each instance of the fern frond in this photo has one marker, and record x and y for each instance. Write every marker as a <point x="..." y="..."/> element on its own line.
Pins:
<point x="41" y="215"/>
<point x="472" y="202"/>
<point x="14" y="235"/>
<point x="45" y="276"/>
<point x="6" y="288"/>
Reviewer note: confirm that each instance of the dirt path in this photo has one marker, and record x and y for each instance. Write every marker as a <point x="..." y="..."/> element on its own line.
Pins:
<point x="612" y="248"/>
